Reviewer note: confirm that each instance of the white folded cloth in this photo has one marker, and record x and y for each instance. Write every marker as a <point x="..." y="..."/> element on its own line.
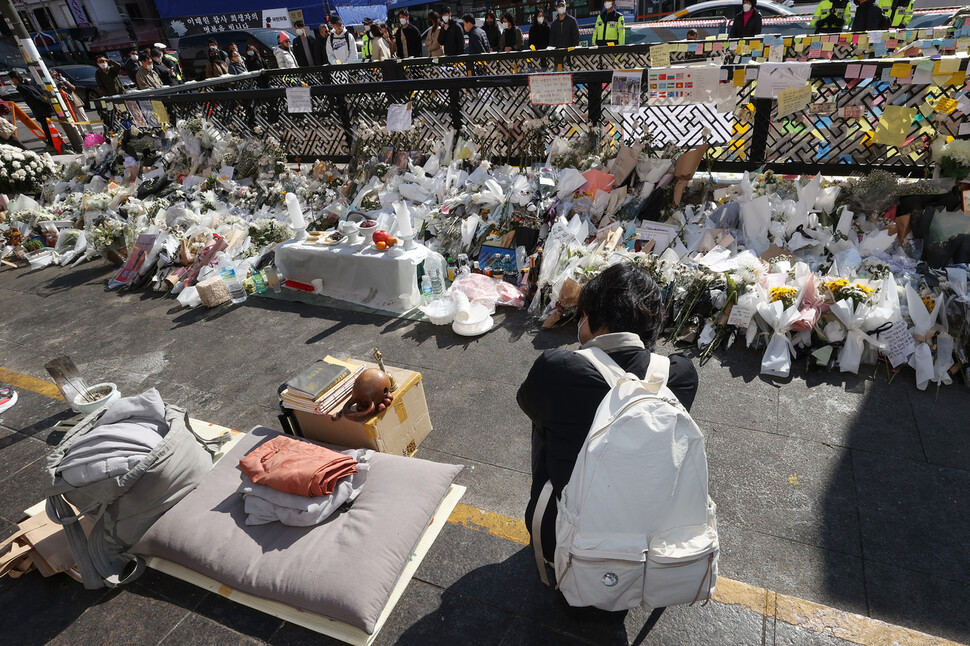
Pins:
<point x="267" y="505"/>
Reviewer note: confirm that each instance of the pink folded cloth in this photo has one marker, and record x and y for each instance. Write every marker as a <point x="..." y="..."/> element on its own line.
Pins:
<point x="293" y="466"/>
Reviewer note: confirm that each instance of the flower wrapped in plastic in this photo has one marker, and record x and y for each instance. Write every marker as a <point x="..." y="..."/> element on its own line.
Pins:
<point x="779" y="318"/>
<point x="924" y="326"/>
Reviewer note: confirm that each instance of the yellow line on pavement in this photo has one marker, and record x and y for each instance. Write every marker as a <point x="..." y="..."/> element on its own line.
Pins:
<point x="815" y="617"/>
<point x="33" y="384"/>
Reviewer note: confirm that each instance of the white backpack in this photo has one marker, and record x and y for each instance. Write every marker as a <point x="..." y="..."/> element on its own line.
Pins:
<point x="635" y="525"/>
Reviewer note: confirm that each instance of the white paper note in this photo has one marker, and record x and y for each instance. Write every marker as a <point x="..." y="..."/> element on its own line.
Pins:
<point x="398" y="117"/>
<point x="551" y="89"/>
<point x="899" y="343"/>
<point x="773" y="77"/>
<point x="298" y="100"/>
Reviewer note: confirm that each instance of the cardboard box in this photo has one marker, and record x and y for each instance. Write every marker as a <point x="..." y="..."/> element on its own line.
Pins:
<point x="399" y="429"/>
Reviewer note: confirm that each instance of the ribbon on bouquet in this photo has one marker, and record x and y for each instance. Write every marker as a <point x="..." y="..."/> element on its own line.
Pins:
<point x="854" y="319"/>
<point x="778" y="354"/>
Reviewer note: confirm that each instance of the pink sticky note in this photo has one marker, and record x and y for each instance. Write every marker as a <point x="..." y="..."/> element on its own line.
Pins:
<point x="868" y="72"/>
<point x="852" y="71"/>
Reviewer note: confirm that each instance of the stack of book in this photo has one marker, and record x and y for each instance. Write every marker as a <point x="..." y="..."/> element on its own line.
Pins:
<point x="322" y="386"/>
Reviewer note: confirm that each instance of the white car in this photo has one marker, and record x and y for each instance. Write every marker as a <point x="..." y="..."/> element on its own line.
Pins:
<point x="727" y="9"/>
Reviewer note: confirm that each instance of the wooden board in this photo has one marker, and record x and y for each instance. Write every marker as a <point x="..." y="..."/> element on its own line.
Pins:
<point x="319" y="623"/>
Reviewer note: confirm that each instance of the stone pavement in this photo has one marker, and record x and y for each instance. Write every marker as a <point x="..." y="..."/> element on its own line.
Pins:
<point x="843" y="491"/>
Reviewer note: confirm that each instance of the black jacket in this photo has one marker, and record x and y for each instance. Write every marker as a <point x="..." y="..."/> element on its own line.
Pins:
<point x="297" y="48"/>
<point x="320" y="49"/>
<point x="131" y="68"/>
<point x="493" y="34"/>
<point x="255" y="63"/>
<point x="35" y="99"/>
<point x="560" y="396"/>
<point x="741" y="30"/>
<point x="564" y="32"/>
<point x="539" y="36"/>
<point x="413" y="37"/>
<point x="108" y="82"/>
<point x="869" y="17"/>
<point x="478" y="42"/>
<point x="452" y="38"/>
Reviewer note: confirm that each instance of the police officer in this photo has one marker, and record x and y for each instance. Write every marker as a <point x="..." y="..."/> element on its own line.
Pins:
<point x="171" y="62"/>
<point x="897" y="12"/>
<point x="831" y="16"/>
<point x="609" y="28"/>
<point x="366" y="46"/>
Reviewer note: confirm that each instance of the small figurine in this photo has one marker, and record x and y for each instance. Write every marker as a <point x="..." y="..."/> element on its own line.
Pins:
<point x="371" y="395"/>
<point x="379" y="358"/>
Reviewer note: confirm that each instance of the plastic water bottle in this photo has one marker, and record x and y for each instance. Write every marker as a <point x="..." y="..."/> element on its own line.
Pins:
<point x="511" y="273"/>
<point x="437" y="281"/>
<point x="236" y="292"/>
<point x="427" y="291"/>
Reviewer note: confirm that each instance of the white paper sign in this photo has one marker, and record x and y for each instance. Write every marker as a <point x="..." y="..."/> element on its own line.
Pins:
<point x="298" y="100"/>
<point x="551" y="89"/>
<point x="741" y="314"/>
<point x="773" y="77"/>
<point x="776" y="54"/>
<point x="899" y="343"/>
<point x="276" y="18"/>
<point x="398" y="117"/>
<point x="662" y="233"/>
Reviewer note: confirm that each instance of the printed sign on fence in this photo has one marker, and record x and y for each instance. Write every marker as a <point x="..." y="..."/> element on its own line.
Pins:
<point x="551" y="89"/>
<point x="298" y="100"/>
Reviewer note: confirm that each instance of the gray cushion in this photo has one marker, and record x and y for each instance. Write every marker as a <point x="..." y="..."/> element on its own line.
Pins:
<point x="344" y="568"/>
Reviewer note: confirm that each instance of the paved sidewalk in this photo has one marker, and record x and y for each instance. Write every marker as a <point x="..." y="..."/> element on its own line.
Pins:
<point x="844" y="491"/>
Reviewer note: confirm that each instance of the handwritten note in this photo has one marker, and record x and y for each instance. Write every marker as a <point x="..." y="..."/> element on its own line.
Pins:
<point x="298" y="100"/>
<point x="551" y="89"/>
<point x="741" y="314"/>
<point x="899" y="343"/>
<point x="794" y="99"/>
<point x="660" y="56"/>
<point x="398" y="117"/>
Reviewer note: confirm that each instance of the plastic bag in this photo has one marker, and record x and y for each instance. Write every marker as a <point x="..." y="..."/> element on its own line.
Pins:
<point x="488" y="292"/>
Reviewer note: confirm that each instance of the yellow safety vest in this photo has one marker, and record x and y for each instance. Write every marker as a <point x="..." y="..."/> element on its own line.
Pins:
<point x="826" y="14"/>
<point x="903" y="12"/>
<point x="612" y="31"/>
<point x="365" y="48"/>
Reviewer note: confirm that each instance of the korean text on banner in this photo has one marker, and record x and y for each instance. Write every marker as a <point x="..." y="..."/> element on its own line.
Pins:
<point x="551" y="89"/>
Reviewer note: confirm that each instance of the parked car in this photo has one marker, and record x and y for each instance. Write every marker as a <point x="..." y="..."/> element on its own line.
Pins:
<point x="194" y="50"/>
<point x="727" y="9"/>
<point x="82" y="77"/>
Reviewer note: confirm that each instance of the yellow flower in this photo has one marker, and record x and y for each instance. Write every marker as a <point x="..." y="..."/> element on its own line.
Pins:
<point x="836" y="285"/>
<point x="929" y="303"/>
<point x="784" y="294"/>
<point x="868" y="290"/>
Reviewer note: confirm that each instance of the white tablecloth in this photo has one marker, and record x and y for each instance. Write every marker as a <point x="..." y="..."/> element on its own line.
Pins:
<point x="359" y="274"/>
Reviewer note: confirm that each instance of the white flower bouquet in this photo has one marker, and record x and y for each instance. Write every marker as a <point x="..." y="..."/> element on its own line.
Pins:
<point x="23" y="171"/>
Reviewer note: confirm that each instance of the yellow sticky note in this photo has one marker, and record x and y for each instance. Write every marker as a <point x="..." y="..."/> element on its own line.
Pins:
<point x="948" y="65"/>
<point x="161" y="112"/>
<point x="945" y="105"/>
<point x="957" y="78"/>
<point x="828" y="46"/>
<point x="660" y="56"/>
<point x="739" y="78"/>
<point x="794" y="99"/>
<point x="901" y="70"/>
<point x="894" y="125"/>
<point x="863" y="42"/>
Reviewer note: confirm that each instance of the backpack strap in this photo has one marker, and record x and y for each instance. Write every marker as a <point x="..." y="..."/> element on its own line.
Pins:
<point x="537" y="515"/>
<point x="658" y="371"/>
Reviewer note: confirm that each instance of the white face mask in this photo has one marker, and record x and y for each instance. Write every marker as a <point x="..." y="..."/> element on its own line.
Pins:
<point x="607" y="5"/>
<point x="540" y="20"/>
<point x="404" y="21"/>
<point x="134" y="58"/>
<point x="579" y="330"/>
<point x="445" y="19"/>
<point x="103" y="66"/>
<point x="505" y="25"/>
<point x="561" y="10"/>
<point x="746" y="7"/>
<point x="301" y="32"/>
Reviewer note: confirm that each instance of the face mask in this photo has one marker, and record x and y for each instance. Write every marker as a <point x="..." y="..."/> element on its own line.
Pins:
<point x="134" y="58"/>
<point x="404" y="21"/>
<point x="540" y="20"/>
<point x="250" y="53"/>
<point x="579" y="329"/>
<point x="561" y="10"/>
<point x="607" y="5"/>
<point x="746" y="7"/>
<point x="157" y="60"/>
<point x="213" y="48"/>
<point x="445" y="19"/>
<point x="103" y="66"/>
<point x="301" y="32"/>
<point x="505" y="25"/>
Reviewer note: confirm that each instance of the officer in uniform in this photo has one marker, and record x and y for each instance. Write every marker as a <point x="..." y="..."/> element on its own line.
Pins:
<point x="171" y="62"/>
<point x="365" y="45"/>
<point x="897" y="12"/>
<point x="831" y="16"/>
<point x="609" y="28"/>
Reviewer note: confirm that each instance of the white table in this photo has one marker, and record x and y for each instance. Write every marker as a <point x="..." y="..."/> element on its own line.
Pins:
<point x="384" y="280"/>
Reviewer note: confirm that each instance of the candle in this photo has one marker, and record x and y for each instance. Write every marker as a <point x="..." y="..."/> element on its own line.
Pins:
<point x="296" y="213"/>
<point x="403" y="220"/>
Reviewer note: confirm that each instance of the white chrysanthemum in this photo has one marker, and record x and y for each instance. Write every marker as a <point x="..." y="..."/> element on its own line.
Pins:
<point x="750" y="270"/>
<point x="958" y="150"/>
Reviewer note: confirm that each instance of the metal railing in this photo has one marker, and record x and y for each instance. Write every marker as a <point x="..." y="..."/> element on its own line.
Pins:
<point x="497" y="111"/>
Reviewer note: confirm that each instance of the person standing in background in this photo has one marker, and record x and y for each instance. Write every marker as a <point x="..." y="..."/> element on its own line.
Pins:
<point x="564" y="30"/>
<point x="254" y="60"/>
<point x="303" y="46"/>
<point x="407" y="38"/>
<point x="491" y="31"/>
<point x="320" y="45"/>
<point x="284" y="57"/>
<point x="131" y="65"/>
<point x="511" y="38"/>
<point x="107" y="77"/>
<point x="831" y="16"/>
<point x="160" y="68"/>
<point x="171" y="62"/>
<point x="748" y="21"/>
<point x="539" y="31"/>
<point x="898" y="12"/>
<point x="477" y="40"/>
<point x="366" y="51"/>
<point x="379" y="42"/>
<point x="147" y="78"/>
<point x="452" y="36"/>
<point x="431" y="36"/>
<point x="39" y="106"/>
<point x="868" y="16"/>
<point x="341" y="46"/>
<point x="609" y="29"/>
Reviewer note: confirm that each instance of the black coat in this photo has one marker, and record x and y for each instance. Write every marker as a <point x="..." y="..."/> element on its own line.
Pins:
<point x="411" y="34"/>
<point x="538" y="36"/>
<point x="452" y="39"/>
<point x="255" y="63"/>
<point x="741" y="30"/>
<point x="869" y="17"/>
<point x="478" y="42"/>
<point x="35" y="99"/>
<point x="560" y="396"/>
<point x="108" y="82"/>
<point x="493" y="34"/>
<point x="297" y="48"/>
<point x="320" y="49"/>
<point x="564" y="32"/>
